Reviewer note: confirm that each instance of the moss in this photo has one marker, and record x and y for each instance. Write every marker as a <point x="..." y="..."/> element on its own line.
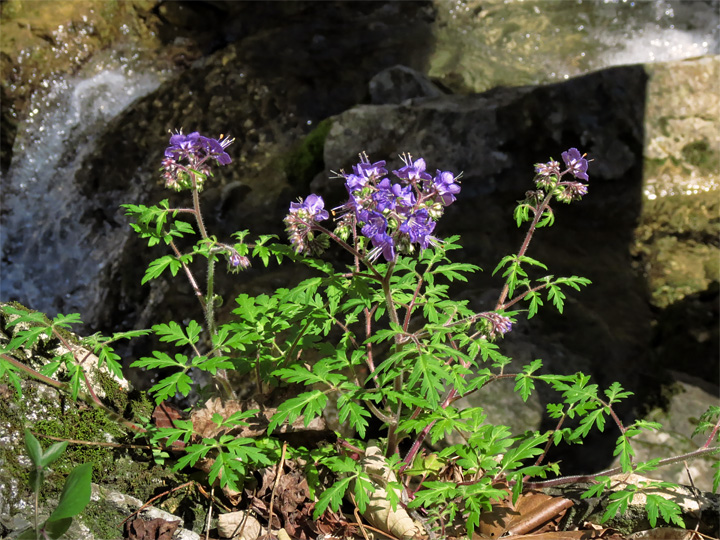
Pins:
<point x="306" y="160"/>
<point x="115" y="395"/>
<point x="102" y="522"/>
<point x="82" y="425"/>
<point x="701" y="155"/>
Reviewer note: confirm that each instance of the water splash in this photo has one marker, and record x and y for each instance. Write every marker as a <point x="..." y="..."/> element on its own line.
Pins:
<point x="51" y="256"/>
<point x="488" y="44"/>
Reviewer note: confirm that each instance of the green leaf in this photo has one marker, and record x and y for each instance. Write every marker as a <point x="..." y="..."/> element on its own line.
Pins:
<point x="670" y="510"/>
<point x="156" y="268"/>
<point x="33" y="448"/>
<point x="332" y="496"/>
<point x="311" y="404"/>
<point x="178" y="382"/>
<point x="75" y="494"/>
<point x="618" y="503"/>
<point x="56" y="528"/>
<point x="524" y="385"/>
<point x="53" y="453"/>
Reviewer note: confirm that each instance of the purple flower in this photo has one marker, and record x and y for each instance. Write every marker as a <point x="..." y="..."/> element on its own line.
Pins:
<point x="418" y="227"/>
<point x="375" y="224"/>
<point x="215" y="148"/>
<point x="354" y="182"/>
<point x="182" y="145"/>
<point x="576" y="163"/>
<point x="445" y="186"/>
<point x="237" y="262"/>
<point x="369" y="170"/>
<point x="194" y="147"/>
<point x="389" y="196"/>
<point x="313" y="207"/>
<point x="412" y="170"/>
<point x="384" y="197"/>
<point x="194" y="150"/>
<point x="384" y="244"/>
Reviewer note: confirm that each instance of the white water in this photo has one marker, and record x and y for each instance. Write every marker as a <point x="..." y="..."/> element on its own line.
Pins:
<point x="51" y="259"/>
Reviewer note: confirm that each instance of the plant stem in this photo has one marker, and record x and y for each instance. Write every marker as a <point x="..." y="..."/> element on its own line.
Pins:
<point x="539" y="211"/>
<point x="616" y="470"/>
<point x="90" y="400"/>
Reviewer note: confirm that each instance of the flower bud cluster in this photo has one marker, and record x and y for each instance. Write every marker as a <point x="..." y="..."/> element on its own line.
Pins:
<point x="392" y="216"/>
<point x="548" y="177"/>
<point x="498" y="324"/>
<point x="187" y="156"/>
<point x="298" y="224"/>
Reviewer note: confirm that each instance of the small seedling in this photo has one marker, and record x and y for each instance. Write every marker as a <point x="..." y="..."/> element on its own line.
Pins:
<point x="74" y="497"/>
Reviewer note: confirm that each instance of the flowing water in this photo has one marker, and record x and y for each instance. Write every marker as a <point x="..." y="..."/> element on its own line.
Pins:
<point x="51" y="256"/>
<point x="483" y="44"/>
<point x="51" y="260"/>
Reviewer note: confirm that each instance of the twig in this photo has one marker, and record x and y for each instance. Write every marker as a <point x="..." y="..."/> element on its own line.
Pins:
<point x="357" y="518"/>
<point x="94" y="402"/>
<point x="209" y="515"/>
<point x="615" y="470"/>
<point x="697" y="499"/>
<point x="281" y="464"/>
<point x="93" y="443"/>
<point x="156" y="497"/>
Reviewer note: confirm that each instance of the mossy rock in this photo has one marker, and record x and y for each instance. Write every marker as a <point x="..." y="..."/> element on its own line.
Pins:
<point x="120" y="464"/>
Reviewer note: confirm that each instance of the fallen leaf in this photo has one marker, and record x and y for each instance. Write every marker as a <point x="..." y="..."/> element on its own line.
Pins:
<point x="239" y="525"/>
<point x="533" y="512"/>
<point x="165" y="414"/>
<point x="156" y="529"/>
<point x="666" y="533"/>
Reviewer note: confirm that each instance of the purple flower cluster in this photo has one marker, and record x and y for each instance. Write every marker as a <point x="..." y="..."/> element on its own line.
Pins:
<point x="187" y="155"/>
<point x="392" y="216"/>
<point x="549" y="177"/>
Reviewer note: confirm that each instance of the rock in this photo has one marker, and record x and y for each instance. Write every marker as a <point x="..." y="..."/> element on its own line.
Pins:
<point x="397" y="84"/>
<point x="688" y="399"/>
<point x="50" y="413"/>
<point x="698" y="508"/>
<point x="606" y="329"/>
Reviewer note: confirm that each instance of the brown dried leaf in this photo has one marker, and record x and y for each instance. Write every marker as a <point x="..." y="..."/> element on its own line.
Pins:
<point x="202" y="422"/>
<point x="666" y="533"/>
<point x="533" y="511"/>
<point x="165" y="414"/>
<point x="156" y="529"/>
<point x="256" y="425"/>
<point x="562" y="535"/>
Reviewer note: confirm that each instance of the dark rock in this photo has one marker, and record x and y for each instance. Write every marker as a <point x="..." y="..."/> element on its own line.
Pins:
<point x="400" y="83"/>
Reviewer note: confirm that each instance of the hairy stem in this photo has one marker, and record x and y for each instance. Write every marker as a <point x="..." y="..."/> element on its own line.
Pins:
<point x="539" y="211"/>
<point x="617" y="470"/>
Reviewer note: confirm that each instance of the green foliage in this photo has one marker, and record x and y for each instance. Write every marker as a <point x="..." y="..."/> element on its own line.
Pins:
<point x="74" y="497"/>
<point x="378" y="340"/>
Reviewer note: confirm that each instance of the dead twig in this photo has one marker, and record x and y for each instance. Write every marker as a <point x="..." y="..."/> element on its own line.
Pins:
<point x="281" y="464"/>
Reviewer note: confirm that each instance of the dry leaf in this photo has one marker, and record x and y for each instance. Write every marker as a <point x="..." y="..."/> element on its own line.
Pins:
<point x="534" y="511"/>
<point x="155" y="529"/>
<point x="231" y="525"/>
<point x="379" y="512"/>
<point x="666" y="533"/>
